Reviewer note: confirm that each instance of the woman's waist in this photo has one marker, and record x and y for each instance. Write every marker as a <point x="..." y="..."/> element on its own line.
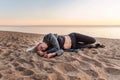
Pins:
<point x="61" y="40"/>
<point x="67" y="42"/>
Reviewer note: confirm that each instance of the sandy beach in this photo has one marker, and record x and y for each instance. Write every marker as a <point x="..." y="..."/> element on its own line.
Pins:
<point x="90" y="64"/>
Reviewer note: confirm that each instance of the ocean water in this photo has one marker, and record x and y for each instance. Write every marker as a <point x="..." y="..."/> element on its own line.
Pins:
<point x="101" y="31"/>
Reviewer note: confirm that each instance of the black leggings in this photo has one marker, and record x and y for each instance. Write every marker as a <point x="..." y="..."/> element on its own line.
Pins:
<point x="80" y="40"/>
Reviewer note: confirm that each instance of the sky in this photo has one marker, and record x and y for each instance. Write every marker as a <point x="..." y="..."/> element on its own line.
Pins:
<point x="59" y="12"/>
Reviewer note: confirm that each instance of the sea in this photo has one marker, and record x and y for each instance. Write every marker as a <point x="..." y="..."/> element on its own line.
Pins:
<point x="95" y="31"/>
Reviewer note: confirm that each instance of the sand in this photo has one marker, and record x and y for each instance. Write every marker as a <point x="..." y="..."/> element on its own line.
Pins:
<point x="90" y="64"/>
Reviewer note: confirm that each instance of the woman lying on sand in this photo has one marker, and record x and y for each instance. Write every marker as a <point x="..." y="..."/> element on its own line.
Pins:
<point x="54" y="45"/>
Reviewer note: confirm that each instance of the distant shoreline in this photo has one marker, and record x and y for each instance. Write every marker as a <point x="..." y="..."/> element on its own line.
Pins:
<point x="107" y="32"/>
<point x="60" y="25"/>
<point x="44" y="34"/>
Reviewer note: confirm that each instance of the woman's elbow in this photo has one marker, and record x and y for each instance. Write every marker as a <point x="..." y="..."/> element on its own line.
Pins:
<point x="59" y="52"/>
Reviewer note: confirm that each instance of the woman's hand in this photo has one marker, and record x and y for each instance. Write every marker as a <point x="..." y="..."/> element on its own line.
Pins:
<point x="50" y="55"/>
<point x="45" y="55"/>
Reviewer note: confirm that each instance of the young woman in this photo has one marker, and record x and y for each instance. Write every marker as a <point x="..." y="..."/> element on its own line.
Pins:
<point x="54" y="45"/>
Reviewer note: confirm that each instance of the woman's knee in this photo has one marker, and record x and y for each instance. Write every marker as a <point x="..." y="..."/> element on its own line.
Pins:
<point x="93" y="40"/>
<point x="73" y="33"/>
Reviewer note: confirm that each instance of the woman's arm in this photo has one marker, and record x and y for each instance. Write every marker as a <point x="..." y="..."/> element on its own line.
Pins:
<point x="52" y="40"/>
<point x="50" y="55"/>
<point x="57" y="53"/>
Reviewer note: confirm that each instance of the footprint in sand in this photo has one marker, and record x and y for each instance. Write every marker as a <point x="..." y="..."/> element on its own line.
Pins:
<point x="26" y="63"/>
<point x="51" y="64"/>
<point x="39" y="77"/>
<point x="6" y="54"/>
<point x="19" y="78"/>
<point x="49" y="70"/>
<point x="29" y="65"/>
<point x="91" y="73"/>
<point x="94" y="62"/>
<point x="59" y="77"/>
<point x="20" y="60"/>
<point x="69" y="59"/>
<point x="112" y="71"/>
<point x="40" y="66"/>
<point x="74" y="78"/>
<point x="36" y="76"/>
<point x="84" y="65"/>
<point x="27" y="72"/>
<point x="24" y="71"/>
<point x="9" y="58"/>
<point x="19" y="68"/>
<point x="15" y="64"/>
<point x="70" y="68"/>
<point x="66" y="68"/>
<point x="17" y="54"/>
<point x="0" y="75"/>
<point x="100" y="79"/>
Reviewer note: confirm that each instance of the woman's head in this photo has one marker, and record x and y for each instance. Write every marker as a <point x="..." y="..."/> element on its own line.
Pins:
<point x="42" y="46"/>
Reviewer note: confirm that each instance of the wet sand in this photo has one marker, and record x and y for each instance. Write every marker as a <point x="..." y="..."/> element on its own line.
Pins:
<point x="90" y="64"/>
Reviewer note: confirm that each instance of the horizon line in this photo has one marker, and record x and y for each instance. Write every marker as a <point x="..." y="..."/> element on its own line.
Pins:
<point x="58" y="25"/>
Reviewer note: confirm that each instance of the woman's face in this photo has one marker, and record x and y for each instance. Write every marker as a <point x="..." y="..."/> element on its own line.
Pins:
<point x="42" y="47"/>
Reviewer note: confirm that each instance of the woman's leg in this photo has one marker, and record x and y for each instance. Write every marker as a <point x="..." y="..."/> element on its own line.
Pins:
<point x="83" y="40"/>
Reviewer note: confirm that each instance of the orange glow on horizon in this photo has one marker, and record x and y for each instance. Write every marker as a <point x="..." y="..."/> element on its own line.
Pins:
<point x="59" y="22"/>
